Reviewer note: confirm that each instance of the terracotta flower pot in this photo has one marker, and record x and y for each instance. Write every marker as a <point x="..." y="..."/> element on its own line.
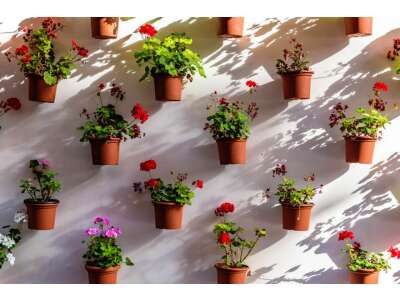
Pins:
<point x="231" y="27"/>
<point x="168" y="88"/>
<point x="360" y="150"/>
<point x="102" y="276"/>
<point x="230" y="275"/>
<point x="39" y="91"/>
<point x="168" y="215"/>
<point x="297" y="85"/>
<point x="358" y="26"/>
<point x="364" y="277"/>
<point x="231" y="151"/>
<point x="296" y="218"/>
<point x="105" y="151"/>
<point x="41" y="215"/>
<point x="104" y="27"/>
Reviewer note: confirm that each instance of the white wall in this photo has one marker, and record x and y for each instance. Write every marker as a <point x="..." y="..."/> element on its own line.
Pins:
<point x="358" y="197"/>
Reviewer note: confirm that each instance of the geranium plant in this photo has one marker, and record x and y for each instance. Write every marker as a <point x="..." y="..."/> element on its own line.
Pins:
<point x="8" y="105"/>
<point x="394" y="53"/>
<point x="105" y="122"/>
<point x="37" y="56"/>
<point x="229" y="238"/>
<point x="294" y="60"/>
<point x="102" y="249"/>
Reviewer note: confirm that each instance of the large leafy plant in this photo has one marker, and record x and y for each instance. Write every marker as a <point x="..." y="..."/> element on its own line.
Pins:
<point x="294" y="60"/>
<point x="367" y="123"/>
<point x="105" y="122"/>
<point x="170" y="56"/>
<point x="43" y="185"/>
<point x="102" y="249"/>
<point x="37" y="56"/>
<point x="230" y="120"/>
<point x="160" y="191"/>
<point x="8" y="105"/>
<point x="236" y="248"/>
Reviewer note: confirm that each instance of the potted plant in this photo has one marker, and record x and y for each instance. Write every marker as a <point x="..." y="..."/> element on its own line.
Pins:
<point x="104" y="27"/>
<point x="229" y="124"/>
<point x="103" y="257"/>
<point x="236" y="248"/>
<point x="231" y="27"/>
<point x="362" y="130"/>
<point x="41" y="206"/>
<point x="37" y="60"/>
<point x="169" y="62"/>
<point x="364" y="266"/>
<point x="168" y="198"/>
<point x="358" y="26"/>
<point x="9" y="239"/>
<point x="104" y="129"/>
<point x="295" y="72"/>
<point x="296" y="202"/>
<point x="8" y="105"/>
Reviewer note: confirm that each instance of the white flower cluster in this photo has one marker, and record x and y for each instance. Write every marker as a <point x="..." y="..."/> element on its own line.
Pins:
<point x="11" y="258"/>
<point x="20" y="217"/>
<point x="6" y="241"/>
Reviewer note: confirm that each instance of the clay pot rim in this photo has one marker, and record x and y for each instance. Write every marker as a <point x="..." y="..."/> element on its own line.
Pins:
<point x="361" y="138"/>
<point x="307" y="73"/>
<point x="101" y="270"/>
<point x="298" y="207"/>
<point x="223" y="266"/>
<point x="364" y="271"/>
<point x="166" y="75"/>
<point x="32" y="75"/>
<point x="52" y="202"/>
<point x="167" y="203"/>
<point x="111" y="139"/>
<point x="230" y="140"/>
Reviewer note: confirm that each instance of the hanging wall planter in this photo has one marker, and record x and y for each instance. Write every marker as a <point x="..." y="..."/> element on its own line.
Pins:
<point x="364" y="277"/>
<point x="40" y="91"/>
<point x="104" y="27"/>
<point x="168" y="215"/>
<point x="358" y="26"/>
<point x="169" y="62"/>
<point x="105" y="151"/>
<point x="360" y="150"/>
<point x="231" y="275"/>
<point x="231" y="151"/>
<point x="41" y="216"/>
<point x="296" y="218"/>
<point x="296" y="85"/>
<point x="102" y="276"/>
<point x="231" y="27"/>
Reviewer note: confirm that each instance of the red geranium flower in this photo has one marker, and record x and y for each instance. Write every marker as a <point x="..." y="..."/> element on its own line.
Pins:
<point x="224" y="238"/>
<point x="345" y="234"/>
<point x="22" y="50"/>
<point x="148" y="165"/>
<point x="251" y="83"/>
<point x="152" y="183"/>
<point x="139" y="113"/>
<point x="26" y="59"/>
<point x="14" y="103"/>
<point x="148" y="30"/>
<point x="224" y="208"/>
<point x="81" y="51"/>
<point x="199" y="183"/>
<point x="380" y="86"/>
<point x="101" y="86"/>
<point x="394" y="252"/>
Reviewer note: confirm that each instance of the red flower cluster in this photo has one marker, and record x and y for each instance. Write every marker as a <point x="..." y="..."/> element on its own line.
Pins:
<point x="198" y="183"/>
<point x="81" y="51"/>
<point x="152" y="183"/>
<point x="380" y="86"/>
<point x="345" y="234"/>
<point x="224" y="208"/>
<point x="20" y="51"/>
<point x="139" y="113"/>
<point x="51" y="26"/>
<point x="338" y="114"/>
<point x="224" y="238"/>
<point x="251" y="83"/>
<point x="13" y="103"/>
<point x="147" y="30"/>
<point x="148" y="165"/>
<point x="394" y="252"/>
<point x="101" y="86"/>
<point x="280" y="169"/>
<point x="392" y="54"/>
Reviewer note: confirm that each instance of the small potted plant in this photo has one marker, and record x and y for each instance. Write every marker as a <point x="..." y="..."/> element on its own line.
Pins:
<point x="362" y="130"/>
<point x="9" y="239"/>
<point x="229" y="124"/>
<point x="168" y="198"/>
<point x="37" y="60"/>
<point x="296" y="202"/>
<point x="41" y="206"/>
<point x="103" y="257"/>
<point x="169" y="62"/>
<point x="236" y="248"/>
<point x="104" y="27"/>
<point x="295" y="72"/>
<point x="8" y="105"/>
<point x="364" y="266"/>
<point x="358" y="26"/>
<point x="104" y="129"/>
<point x="231" y="27"/>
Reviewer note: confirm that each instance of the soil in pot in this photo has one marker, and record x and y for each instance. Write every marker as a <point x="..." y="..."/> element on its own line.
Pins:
<point x="105" y="151"/>
<point x="297" y="85"/>
<point x="364" y="277"/>
<point x="228" y="275"/>
<point x="360" y="150"/>
<point x="168" y="88"/>
<point x="104" y="27"/>
<point x="41" y="215"/>
<point x="358" y="26"/>
<point x="39" y="91"/>
<point x="231" y="151"/>
<point x="168" y="215"/>
<point x="296" y="218"/>
<point x="102" y="276"/>
<point x="231" y="27"/>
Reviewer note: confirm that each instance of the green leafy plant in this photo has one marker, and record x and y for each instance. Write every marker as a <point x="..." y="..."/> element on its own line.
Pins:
<point x="44" y="185"/>
<point x="170" y="56"/>
<point x="102" y="249"/>
<point x="160" y="191"/>
<point x="37" y="56"/>
<point x="236" y="249"/>
<point x="293" y="61"/>
<point x="106" y="123"/>
<point x="230" y="120"/>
